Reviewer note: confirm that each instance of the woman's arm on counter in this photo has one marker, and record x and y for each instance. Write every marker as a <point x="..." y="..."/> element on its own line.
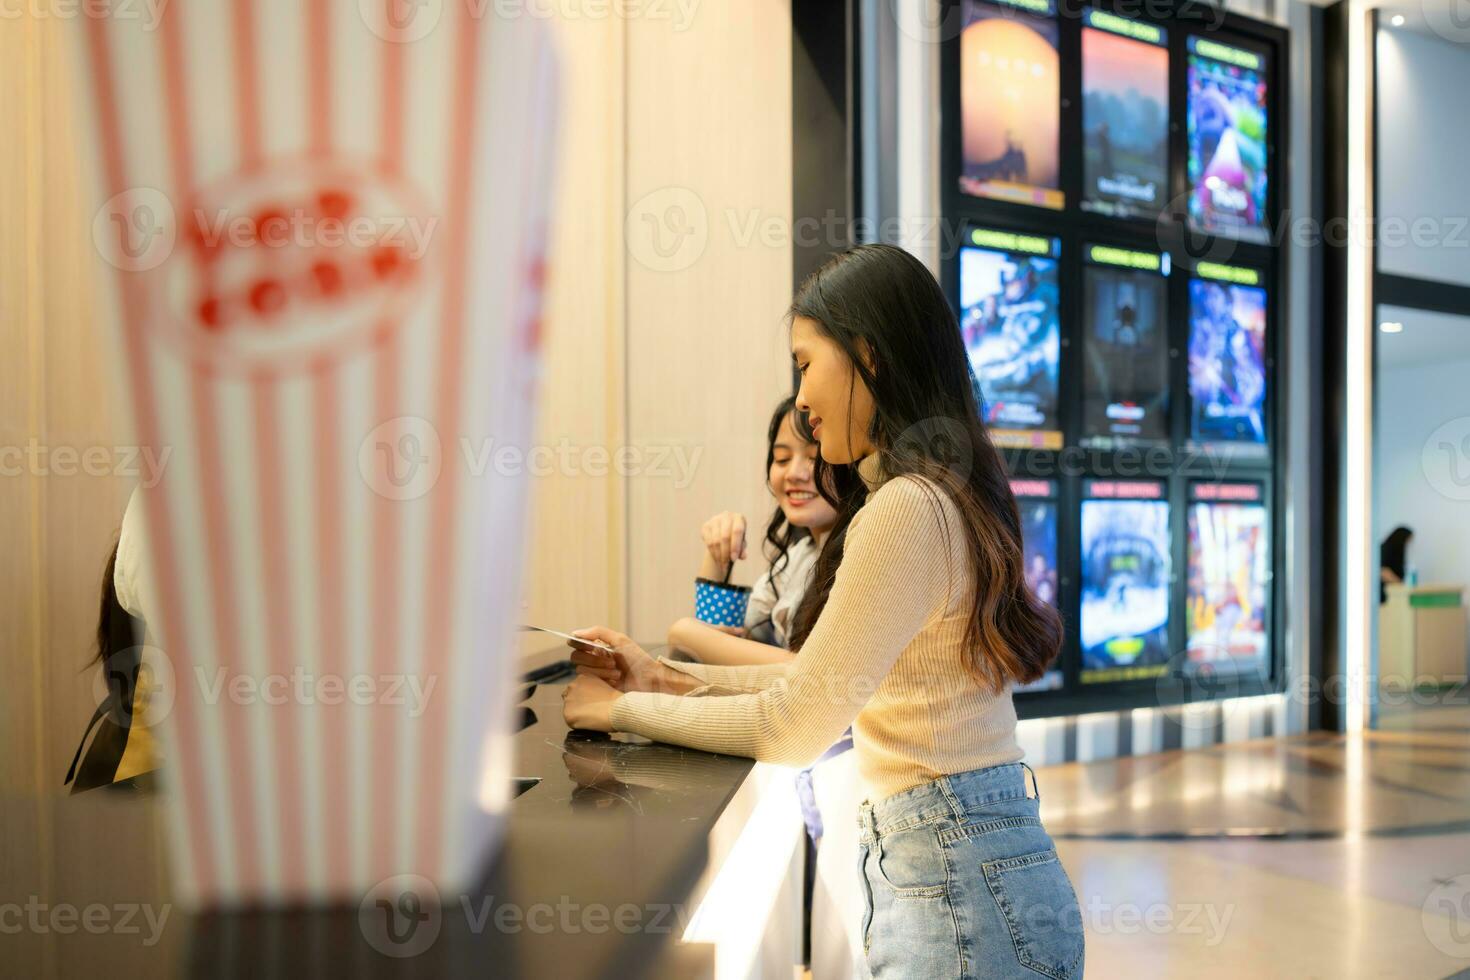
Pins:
<point x="717" y="679"/>
<point x="711" y="646"/>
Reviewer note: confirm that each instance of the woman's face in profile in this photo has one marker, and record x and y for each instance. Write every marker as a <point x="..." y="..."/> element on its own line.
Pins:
<point x="838" y="404"/>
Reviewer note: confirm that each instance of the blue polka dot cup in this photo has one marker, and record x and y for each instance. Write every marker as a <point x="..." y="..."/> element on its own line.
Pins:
<point x="720" y="603"/>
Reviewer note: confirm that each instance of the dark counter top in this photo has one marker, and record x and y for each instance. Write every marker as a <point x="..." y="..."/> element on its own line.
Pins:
<point x="603" y="853"/>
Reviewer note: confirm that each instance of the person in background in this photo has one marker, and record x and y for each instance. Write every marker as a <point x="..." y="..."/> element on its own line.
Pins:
<point x="797" y="531"/>
<point x="123" y="748"/>
<point x="1393" y="557"/>
<point x="914" y="632"/>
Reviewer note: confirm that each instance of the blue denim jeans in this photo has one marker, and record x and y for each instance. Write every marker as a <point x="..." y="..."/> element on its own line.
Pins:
<point x="962" y="880"/>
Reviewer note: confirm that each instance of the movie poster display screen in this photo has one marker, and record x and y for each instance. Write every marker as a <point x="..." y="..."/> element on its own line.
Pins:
<point x="1225" y="604"/>
<point x="1036" y="500"/>
<point x="1010" y="102"/>
<point x="1226" y="140"/>
<point x="1125" y="389"/>
<point x="1009" y="321"/>
<point x="1124" y="626"/>
<point x="1227" y="359"/>
<point x="1125" y="116"/>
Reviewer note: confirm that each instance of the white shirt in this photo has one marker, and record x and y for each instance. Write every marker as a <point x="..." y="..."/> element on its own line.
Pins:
<point x="778" y="593"/>
<point x="129" y="580"/>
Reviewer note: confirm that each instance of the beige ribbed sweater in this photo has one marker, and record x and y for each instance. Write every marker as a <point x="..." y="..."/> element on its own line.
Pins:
<point x="884" y="657"/>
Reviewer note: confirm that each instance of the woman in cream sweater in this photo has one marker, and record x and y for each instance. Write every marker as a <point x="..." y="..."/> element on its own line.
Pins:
<point x="915" y="626"/>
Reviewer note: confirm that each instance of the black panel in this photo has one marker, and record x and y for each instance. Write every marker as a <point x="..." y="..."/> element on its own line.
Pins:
<point x="824" y="126"/>
<point x="1333" y="364"/>
<point x="1313" y="156"/>
<point x="1421" y="294"/>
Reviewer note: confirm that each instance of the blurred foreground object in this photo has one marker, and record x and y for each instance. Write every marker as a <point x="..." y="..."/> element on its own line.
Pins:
<point x="321" y="233"/>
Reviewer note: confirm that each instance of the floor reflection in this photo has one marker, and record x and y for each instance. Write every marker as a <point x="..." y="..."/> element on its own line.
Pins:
<point x="1313" y="855"/>
<point x="1407" y="779"/>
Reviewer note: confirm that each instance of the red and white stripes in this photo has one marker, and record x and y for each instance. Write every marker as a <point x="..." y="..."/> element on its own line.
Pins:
<point x="277" y="550"/>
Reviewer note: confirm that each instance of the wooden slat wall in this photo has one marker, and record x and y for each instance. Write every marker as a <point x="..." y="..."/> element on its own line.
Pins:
<point x="20" y="592"/>
<point x="679" y="366"/>
<point x="56" y="529"/>
<point x="576" y="561"/>
<point x="709" y="121"/>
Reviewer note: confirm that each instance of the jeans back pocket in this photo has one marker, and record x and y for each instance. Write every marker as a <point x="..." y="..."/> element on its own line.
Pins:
<point x="1040" y="908"/>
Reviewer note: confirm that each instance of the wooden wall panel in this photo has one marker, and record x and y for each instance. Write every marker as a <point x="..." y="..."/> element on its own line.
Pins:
<point x="709" y="157"/>
<point x="59" y="515"/>
<point x="20" y="410"/>
<point x="22" y="865"/>
<point x="575" y="564"/>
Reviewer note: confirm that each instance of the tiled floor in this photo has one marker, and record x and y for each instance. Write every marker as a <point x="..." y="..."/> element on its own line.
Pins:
<point x="1311" y="856"/>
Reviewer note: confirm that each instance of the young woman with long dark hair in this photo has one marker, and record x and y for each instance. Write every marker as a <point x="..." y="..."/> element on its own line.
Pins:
<point x="794" y="536"/>
<point x="916" y="625"/>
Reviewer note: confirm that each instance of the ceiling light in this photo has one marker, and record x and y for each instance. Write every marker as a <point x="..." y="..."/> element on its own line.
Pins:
<point x="1391" y="326"/>
<point x="1398" y="20"/>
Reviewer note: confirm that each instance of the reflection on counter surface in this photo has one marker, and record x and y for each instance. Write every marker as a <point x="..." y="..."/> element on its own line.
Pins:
<point x="613" y="847"/>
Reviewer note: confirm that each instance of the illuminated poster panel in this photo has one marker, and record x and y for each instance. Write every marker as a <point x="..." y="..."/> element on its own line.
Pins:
<point x="1125" y="116"/>
<point x="1009" y="322"/>
<point x="1036" y="500"/>
<point x="1229" y="579"/>
<point x="1124" y="626"/>
<point x="1227" y="358"/>
<point x="1010" y="102"/>
<point x="1226" y="140"/>
<point x="1125" y="384"/>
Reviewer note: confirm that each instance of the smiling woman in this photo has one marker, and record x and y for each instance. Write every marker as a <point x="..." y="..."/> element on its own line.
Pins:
<point x="795" y="534"/>
<point x="917" y="623"/>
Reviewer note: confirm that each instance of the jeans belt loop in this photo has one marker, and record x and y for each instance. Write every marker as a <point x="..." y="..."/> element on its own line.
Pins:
<point x="869" y="822"/>
<point x="1035" y="786"/>
<point x="955" y="806"/>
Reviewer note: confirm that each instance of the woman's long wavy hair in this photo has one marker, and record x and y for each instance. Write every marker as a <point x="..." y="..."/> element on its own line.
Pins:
<point x="884" y="309"/>
<point x="113" y="621"/>
<point x="781" y="534"/>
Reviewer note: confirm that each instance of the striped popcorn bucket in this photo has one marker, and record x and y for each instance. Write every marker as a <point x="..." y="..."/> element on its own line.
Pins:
<point x="321" y="231"/>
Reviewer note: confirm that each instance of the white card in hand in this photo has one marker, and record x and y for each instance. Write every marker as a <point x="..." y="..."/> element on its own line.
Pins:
<point x="575" y="640"/>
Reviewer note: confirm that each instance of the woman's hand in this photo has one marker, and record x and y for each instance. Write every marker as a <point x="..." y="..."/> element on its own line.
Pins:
<point x="626" y="668"/>
<point x="587" y="703"/>
<point x="724" y="539"/>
